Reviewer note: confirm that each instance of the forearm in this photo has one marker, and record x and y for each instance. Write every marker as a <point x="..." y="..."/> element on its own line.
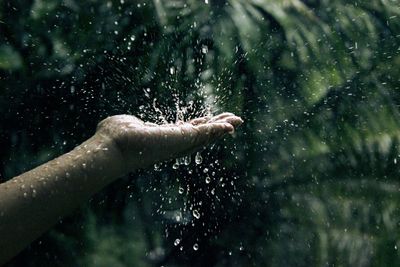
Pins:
<point x="34" y="201"/>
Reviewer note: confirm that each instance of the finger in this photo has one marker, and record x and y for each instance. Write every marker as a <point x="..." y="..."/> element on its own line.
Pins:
<point x="196" y="135"/>
<point x="186" y="139"/>
<point x="221" y="116"/>
<point x="198" y="121"/>
<point x="168" y="125"/>
<point x="235" y="121"/>
<point x="211" y="131"/>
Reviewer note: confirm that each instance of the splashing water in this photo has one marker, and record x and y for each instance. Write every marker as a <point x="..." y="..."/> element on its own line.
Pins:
<point x="181" y="194"/>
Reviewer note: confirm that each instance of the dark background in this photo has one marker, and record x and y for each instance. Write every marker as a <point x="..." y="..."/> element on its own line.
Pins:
<point x="310" y="179"/>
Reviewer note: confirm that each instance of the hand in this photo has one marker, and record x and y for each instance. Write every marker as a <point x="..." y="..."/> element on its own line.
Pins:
<point x="142" y="143"/>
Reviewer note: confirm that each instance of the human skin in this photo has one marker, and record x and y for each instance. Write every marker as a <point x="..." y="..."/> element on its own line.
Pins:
<point x="34" y="201"/>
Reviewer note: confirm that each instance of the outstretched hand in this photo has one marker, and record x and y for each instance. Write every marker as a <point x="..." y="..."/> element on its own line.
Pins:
<point x="121" y="144"/>
<point x="142" y="143"/>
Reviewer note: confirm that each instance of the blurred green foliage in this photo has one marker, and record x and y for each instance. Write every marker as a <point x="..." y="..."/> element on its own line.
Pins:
<point x="311" y="179"/>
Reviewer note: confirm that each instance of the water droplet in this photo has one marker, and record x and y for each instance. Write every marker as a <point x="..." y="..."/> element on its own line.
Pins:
<point x="176" y="165"/>
<point x="178" y="217"/>
<point x="33" y="193"/>
<point x="157" y="167"/>
<point x="195" y="247"/>
<point x="188" y="159"/>
<point x="133" y="37"/>
<point x="172" y="70"/>
<point x="204" y="49"/>
<point x="196" y="214"/>
<point x="208" y="180"/>
<point x="177" y="241"/>
<point x="25" y="195"/>
<point x="181" y="190"/>
<point x="198" y="158"/>
<point x="181" y="161"/>
<point x="205" y="170"/>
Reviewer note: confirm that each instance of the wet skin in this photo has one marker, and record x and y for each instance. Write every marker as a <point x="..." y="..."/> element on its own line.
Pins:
<point x="34" y="201"/>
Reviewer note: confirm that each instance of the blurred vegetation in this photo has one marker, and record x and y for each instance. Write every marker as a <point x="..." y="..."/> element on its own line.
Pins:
<point x="311" y="179"/>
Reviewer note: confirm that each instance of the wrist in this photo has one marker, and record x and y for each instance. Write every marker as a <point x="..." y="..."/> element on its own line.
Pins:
<point x="103" y="156"/>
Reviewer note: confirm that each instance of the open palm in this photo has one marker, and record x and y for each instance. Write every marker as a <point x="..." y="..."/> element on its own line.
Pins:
<point x="144" y="143"/>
